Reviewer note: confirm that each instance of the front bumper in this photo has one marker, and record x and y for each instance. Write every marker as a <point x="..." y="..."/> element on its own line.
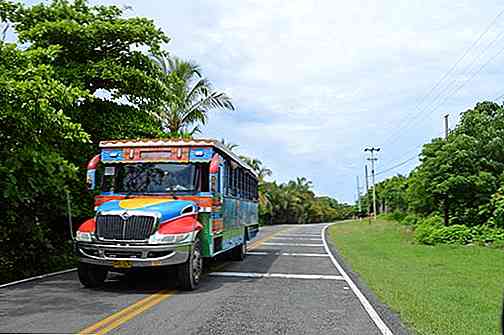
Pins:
<point x="132" y="256"/>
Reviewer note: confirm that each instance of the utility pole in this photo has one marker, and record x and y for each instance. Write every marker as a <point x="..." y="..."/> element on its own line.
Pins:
<point x="446" y="208"/>
<point x="359" y="196"/>
<point x="367" y="190"/>
<point x="367" y="178"/>
<point x="446" y="126"/>
<point x="373" y="159"/>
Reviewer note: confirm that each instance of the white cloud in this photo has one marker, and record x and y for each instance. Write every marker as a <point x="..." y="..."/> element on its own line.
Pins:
<point x="316" y="81"/>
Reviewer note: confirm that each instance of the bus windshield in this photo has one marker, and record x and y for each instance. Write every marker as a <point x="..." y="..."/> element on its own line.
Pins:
<point x="149" y="178"/>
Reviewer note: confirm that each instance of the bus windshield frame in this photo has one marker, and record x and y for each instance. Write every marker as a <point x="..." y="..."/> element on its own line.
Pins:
<point x="150" y="178"/>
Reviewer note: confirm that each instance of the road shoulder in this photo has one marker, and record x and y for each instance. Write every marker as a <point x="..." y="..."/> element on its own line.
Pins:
<point x="389" y="317"/>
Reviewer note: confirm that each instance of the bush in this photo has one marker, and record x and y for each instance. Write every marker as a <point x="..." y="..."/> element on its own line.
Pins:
<point x="431" y="231"/>
<point x="410" y="220"/>
<point x="398" y="215"/>
<point x="394" y="216"/>
<point x="426" y="229"/>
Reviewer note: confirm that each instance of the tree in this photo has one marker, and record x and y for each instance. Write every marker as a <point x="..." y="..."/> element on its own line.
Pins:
<point x="81" y="76"/>
<point x="228" y="145"/>
<point x="391" y="193"/>
<point x="458" y="177"/>
<point x="100" y="52"/>
<point x="295" y="202"/>
<point x="34" y="174"/>
<point x="257" y="166"/>
<point x="190" y="97"/>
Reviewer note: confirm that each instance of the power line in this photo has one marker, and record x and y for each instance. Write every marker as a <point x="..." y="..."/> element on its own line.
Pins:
<point x="464" y="83"/>
<point x="452" y="68"/>
<point x="405" y="153"/>
<point x="409" y="159"/>
<point x="458" y="88"/>
<point x="432" y="105"/>
<point x="451" y="90"/>
<point x="397" y="165"/>
<point x="499" y="97"/>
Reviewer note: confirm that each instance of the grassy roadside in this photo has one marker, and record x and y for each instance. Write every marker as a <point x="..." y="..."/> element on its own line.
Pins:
<point x="436" y="289"/>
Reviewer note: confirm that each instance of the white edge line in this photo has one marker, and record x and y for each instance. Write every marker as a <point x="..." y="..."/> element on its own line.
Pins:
<point x="295" y="254"/>
<point x="301" y="254"/>
<point x="275" y="275"/>
<point x="384" y="329"/>
<point x="37" y="277"/>
<point x="297" y="238"/>
<point x="294" y="244"/>
<point x="299" y="235"/>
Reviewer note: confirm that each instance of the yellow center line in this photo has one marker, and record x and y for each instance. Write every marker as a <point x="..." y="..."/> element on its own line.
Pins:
<point x="136" y="312"/>
<point x="122" y="316"/>
<point x="124" y="313"/>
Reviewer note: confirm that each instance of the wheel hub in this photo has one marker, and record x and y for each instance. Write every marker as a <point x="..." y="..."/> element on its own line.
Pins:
<point x="197" y="265"/>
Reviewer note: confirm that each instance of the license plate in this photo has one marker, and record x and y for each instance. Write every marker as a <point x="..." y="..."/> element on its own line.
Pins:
<point x="122" y="264"/>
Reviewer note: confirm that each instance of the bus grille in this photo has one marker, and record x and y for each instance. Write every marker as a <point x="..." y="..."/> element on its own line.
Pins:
<point x="134" y="228"/>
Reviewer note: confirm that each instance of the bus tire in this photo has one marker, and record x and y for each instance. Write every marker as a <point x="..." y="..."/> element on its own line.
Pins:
<point x="189" y="273"/>
<point x="91" y="275"/>
<point x="239" y="252"/>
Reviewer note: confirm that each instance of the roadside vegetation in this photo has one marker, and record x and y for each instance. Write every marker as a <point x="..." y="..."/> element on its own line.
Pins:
<point x="437" y="290"/>
<point x="456" y="193"/>
<point x="78" y="74"/>
<point x="293" y="202"/>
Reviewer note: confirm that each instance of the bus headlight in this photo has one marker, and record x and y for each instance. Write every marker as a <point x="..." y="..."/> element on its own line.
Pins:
<point x="84" y="236"/>
<point x="158" y="238"/>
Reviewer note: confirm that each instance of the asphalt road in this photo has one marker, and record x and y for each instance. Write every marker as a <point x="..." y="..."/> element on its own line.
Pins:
<point x="288" y="284"/>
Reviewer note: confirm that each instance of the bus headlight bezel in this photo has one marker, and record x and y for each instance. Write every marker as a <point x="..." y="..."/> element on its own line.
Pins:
<point x="158" y="238"/>
<point x="84" y="236"/>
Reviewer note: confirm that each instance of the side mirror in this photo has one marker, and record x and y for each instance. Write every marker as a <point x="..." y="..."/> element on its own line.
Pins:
<point x="91" y="173"/>
<point x="91" y="179"/>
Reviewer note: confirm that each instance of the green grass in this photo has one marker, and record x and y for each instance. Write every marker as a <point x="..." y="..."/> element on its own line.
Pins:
<point x="435" y="289"/>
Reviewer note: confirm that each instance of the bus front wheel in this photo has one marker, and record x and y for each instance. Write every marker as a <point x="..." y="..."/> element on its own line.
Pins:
<point x="91" y="275"/>
<point x="189" y="273"/>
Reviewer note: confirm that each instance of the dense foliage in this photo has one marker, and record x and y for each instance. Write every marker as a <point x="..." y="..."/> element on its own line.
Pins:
<point x="53" y="112"/>
<point x="293" y="202"/>
<point x="459" y="182"/>
<point x="79" y="74"/>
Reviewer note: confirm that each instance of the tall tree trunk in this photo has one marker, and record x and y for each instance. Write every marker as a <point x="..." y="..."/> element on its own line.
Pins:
<point x="446" y="210"/>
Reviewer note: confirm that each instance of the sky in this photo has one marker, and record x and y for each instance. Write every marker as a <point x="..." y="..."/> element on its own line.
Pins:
<point x="315" y="82"/>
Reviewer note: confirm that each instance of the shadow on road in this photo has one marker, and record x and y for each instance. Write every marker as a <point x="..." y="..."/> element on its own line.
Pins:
<point x="150" y="281"/>
<point x="64" y="292"/>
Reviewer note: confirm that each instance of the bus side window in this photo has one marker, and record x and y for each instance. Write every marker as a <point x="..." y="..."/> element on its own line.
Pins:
<point x="226" y="179"/>
<point x="234" y="183"/>
<point x="251" y="188"/>
<point x="255" y="190"/>
<point x="247" y="185"/>
<point x="244" y="188"/>
<point x="238" y="183"/>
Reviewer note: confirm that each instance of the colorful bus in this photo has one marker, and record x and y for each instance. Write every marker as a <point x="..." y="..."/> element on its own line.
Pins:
<point x="166" y="203"/>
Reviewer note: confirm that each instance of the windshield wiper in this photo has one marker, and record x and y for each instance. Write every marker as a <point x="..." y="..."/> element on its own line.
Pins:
<point x="172" y="191"/>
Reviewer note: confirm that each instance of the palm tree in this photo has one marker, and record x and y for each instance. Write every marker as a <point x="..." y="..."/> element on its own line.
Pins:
<point x="257" y="165"/>
<point x="190" y="96"/>
<point x="229" y="145"/>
